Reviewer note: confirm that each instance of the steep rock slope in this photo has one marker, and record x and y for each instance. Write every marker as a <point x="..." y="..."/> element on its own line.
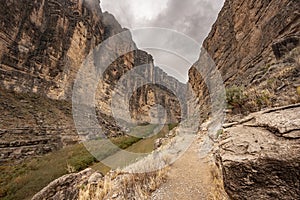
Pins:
<point x="42" y="46"/>
<point x="44" y="42"/>
<point x="255" y="46"/>
<point x="33" y="125"/>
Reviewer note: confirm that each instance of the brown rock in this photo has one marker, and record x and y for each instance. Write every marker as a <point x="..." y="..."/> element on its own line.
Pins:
<point x="255" y="46"/>
<point x="42" y="47"/>
<point x="65" y="187"/>
<point x="258" y="161"/>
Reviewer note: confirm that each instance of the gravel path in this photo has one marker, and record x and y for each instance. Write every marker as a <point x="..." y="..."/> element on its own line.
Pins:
<point x="189" y="178"/>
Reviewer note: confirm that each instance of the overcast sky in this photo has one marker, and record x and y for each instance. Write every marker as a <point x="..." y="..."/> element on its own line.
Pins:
<point x="191" y="17"/>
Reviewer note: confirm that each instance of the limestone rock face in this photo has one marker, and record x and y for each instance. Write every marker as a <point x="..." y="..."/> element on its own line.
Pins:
<point x="250" y="35"/>
<point x="255" y="46"/>
<point x="42" y="46"/>
<point x="260" y="156"/>
<point x="44" y="42"/>
<point x="66" y="187"/>
<point x="147" y="92"/>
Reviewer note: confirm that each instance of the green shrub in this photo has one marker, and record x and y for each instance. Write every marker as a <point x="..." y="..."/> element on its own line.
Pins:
<point x="82" y="162"/>
<point x="263" y="99"/>
<point x="235" y="97"/>
<point x="220" y="132"/>
<point x="125" y="141"/>
<point x="172" y="126"/>
<point x="23" y="180"/>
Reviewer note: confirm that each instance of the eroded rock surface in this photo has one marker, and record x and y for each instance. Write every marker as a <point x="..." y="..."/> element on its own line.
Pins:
<point x="67" y="186"/>
<point x="255" y="46"/>
<point x="261" y="156"/>
<point x="42" y="46"/>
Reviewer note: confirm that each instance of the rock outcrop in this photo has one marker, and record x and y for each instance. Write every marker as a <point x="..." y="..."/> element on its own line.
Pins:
<point x="255" y="46"/>
<point x="260" y="155"/>
<point x="32" y="125"/>
<point x="89" y="184"/>
<point x="67" y="187"/>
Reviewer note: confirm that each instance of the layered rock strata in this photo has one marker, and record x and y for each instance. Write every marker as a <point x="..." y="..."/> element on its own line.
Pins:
<point x="42" y="47"/>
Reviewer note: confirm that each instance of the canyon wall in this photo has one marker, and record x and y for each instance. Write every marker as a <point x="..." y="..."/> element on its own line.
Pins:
<point x="256" y="48"/>
<point x="42" y="46"/>
<point x="44" y="42"/>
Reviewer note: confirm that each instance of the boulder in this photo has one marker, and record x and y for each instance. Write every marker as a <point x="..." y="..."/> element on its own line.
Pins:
<point x="260" y="156"/>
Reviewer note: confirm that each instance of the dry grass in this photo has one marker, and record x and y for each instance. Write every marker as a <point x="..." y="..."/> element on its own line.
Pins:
<point x="119" y="185"/>
<point x="298" y="90"/>
<point x="23" y="180"/>
<point x="258" y="99"/>
<point x="242" y="100"/>
<point x="127" y="184"/>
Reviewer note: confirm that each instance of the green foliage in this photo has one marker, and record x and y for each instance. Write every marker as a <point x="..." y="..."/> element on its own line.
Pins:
<point x="220" y="132"/>
<point x="235" y="97"/>
<point x="81" y="162"/>
<point x="23" y="180"/>
<point x="125" y="141"/>
<point x="172" y="126"/>
<point x="263" y="99"/>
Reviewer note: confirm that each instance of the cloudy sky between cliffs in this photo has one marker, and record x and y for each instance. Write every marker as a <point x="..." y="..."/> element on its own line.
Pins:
<point x="194" y="18"/>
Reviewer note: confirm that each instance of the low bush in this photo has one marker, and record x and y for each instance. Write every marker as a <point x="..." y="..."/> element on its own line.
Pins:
<point x="235" y="98"/>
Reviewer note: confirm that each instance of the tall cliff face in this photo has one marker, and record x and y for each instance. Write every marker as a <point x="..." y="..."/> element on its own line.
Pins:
<point x="44" y="42"/>
<point x="256" y="48"/>
<point x="255" y="45"/>
<point x="148" y="90"/>
<point x="42" y="47"/>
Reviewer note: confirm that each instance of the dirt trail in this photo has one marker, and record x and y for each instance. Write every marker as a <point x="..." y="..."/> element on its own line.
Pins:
<point x="190" y="178"/>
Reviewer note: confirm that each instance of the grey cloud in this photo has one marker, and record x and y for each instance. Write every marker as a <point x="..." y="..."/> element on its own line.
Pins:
<point x="192" y="17"/>
<point x="121" y="10"/>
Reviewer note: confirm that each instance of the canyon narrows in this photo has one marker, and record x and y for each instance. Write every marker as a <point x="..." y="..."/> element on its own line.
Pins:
<point x="62" y="109"/>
